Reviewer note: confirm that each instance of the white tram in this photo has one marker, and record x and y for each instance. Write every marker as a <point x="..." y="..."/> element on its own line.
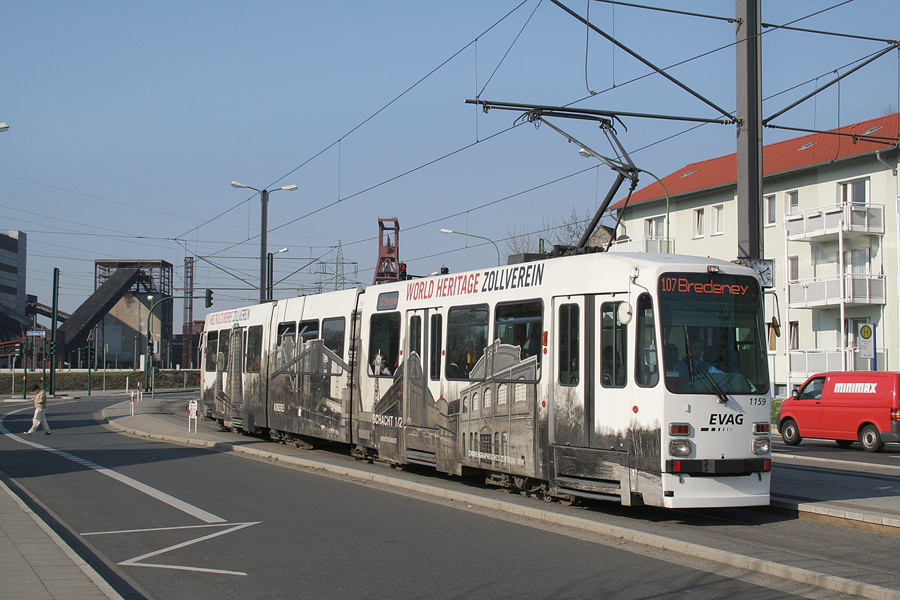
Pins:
<point x="635" y="377"/>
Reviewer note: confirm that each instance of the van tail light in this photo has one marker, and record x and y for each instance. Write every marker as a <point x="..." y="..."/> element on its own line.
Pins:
<point x="895" y="414"/>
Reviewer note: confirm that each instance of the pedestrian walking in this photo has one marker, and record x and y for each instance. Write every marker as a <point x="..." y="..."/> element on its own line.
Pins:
<point x="40" y="410"/>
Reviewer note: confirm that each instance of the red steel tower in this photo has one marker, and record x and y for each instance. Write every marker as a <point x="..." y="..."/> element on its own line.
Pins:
<point x="387" y="268"/>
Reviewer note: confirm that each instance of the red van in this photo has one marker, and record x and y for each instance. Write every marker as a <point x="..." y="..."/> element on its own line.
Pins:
<point x="844" y="406"/>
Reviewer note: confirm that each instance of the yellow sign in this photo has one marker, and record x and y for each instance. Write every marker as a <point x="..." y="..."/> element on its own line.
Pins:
<point x="865" y="332"/>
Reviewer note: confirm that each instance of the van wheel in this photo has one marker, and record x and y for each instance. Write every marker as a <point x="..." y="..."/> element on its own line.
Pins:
<point x="789" y="432"/>
<point x="870" y="439"/>
<point x="844" y="443"/>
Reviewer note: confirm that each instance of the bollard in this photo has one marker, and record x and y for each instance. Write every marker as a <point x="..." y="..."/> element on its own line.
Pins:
<point x="132" y="404"/>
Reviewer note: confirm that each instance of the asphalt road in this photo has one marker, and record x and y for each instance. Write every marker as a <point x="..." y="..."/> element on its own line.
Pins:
<point x="169" y="521"/>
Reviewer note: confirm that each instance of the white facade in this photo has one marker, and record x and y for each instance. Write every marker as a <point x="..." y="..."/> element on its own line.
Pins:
<point x="832" y="229"/>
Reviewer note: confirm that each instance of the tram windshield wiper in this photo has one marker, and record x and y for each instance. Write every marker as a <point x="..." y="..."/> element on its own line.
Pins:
<point x="707" y="377"/>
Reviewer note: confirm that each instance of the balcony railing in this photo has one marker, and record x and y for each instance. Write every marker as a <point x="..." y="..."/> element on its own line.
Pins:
<point x="860" y="289"/>
<point x="824" y="222"/>
<point x="805" y="363"/>
<point x="654" y="245"/>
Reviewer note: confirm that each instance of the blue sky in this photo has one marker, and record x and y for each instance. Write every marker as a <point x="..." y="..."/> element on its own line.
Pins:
<point x="128" y="120"/>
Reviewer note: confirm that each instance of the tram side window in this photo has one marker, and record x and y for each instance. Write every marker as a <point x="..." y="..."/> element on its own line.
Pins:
<point x="467" y="334"/>
<point x="224" y="346"/>
<point x="614" y="343"/>
<point x="646" y="358"/>
<point x="520" y="324"/>
<point x="254" y="348"/>
<point x="415" y="336"/>
<point x="286" y="331"/>
<point x="434" y="349"/>
<point x="333" y="334"/>
<point x="384" y="344"/>
<point x="212" y="347"/>
<point x="568" y="344"/>
<point x="309" y="330"/>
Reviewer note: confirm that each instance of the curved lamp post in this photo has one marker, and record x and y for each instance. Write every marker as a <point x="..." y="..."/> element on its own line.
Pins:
<point x="481" y="237"/>
<point x="263" y="250"/>
<point x="269" y="279"/>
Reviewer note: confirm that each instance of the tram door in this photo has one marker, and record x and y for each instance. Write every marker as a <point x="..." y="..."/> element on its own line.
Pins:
<point x="421" y="348"/>
<point x="591" y="371"/>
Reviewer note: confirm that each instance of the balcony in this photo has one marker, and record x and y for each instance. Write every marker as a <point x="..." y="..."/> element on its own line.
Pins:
<point x="805" y="363"/>
<point x="860" y="289"/>
<point x="824" y="223"/>
<point x="653" y="245"/>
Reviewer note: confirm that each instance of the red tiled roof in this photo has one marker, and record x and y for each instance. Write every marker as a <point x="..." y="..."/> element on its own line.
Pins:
<point x="806" y="151"/>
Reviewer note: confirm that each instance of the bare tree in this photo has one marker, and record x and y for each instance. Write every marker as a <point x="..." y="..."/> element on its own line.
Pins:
<point x="555" y="231"/>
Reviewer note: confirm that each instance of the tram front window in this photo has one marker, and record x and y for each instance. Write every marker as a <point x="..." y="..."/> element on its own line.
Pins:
<point x="712" y="334"/>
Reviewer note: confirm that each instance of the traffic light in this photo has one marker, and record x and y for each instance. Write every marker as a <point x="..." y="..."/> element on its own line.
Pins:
<point x="403" y="275"/>
<point x="51" y="347"/>
<point x="209" y="298"/>
<point x="91" y="352"/>
<point x="22" y="348"/>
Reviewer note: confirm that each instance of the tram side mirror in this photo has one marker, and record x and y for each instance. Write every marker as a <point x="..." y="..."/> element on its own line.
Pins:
<point x="776" y="326"/>
<point x="625" y="313"/>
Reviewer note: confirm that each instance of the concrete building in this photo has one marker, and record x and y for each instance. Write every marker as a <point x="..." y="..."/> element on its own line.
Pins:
<point x="830" y="222"/>
<point x="13" y="254"/>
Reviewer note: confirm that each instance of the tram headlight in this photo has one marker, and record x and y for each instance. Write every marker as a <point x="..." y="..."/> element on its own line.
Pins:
<point x="681" y="447"/>
<point x="762" y="445"/>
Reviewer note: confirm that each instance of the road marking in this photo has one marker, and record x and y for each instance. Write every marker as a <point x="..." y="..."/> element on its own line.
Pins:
<point x="172" y="501"/>
<point x="136" y="561"/>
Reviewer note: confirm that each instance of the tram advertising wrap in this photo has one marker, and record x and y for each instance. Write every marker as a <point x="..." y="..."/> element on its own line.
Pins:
<point x="632" y="377"/>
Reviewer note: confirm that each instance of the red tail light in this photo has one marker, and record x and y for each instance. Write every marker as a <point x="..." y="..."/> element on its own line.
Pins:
<point x="895" y="414"/>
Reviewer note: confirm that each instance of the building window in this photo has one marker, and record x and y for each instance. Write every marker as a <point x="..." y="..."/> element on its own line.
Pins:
<point x="698" y="222"/>
<point x="501" y="394"/>
<point x="770" y="210"/>
<point x="718" y="219"/>
<point x="475" y="404"/>
<point x="655" y="227"/>
<point x="487" y="398"/>
<point x="793" y="268"/>
<point x="793" y="201"/>
<point x="854" y="191"/>
<point x="795" y="335"/>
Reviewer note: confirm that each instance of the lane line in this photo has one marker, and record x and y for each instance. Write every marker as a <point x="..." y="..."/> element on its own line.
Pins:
<point x="136" y="561"/>
<point x="172" y="501"/>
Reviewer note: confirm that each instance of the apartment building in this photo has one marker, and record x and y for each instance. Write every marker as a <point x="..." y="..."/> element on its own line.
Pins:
<point x="830" y="222"/>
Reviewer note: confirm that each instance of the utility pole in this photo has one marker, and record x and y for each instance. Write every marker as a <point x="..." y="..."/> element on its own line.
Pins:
<point x="749" y="133"/>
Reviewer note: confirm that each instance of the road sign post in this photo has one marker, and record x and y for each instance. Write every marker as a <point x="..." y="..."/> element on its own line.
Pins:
<point x="866" y="343"/>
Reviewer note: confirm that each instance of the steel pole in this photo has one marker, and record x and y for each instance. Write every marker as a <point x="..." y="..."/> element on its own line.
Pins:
<point x="263" y="249"/>
<point x="53" y="331"/>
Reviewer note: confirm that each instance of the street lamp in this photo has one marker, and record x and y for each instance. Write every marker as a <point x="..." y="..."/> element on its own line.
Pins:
<point x="264" y="200"/>
<point x="481" y="237"/>
<point x="270" y="278"/>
